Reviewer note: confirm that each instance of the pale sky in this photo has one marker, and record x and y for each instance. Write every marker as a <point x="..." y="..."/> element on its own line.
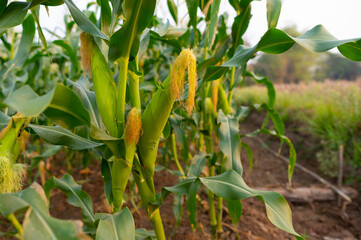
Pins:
<point x="341" y="17"/>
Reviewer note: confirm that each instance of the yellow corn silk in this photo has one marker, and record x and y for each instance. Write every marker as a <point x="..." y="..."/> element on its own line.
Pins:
<point x="185" y="61"/>
<point x="11" y="174"/>
<point x="12" y="140"/>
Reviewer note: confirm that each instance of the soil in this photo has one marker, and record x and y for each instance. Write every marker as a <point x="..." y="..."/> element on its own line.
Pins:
<point x="315" y="220"/>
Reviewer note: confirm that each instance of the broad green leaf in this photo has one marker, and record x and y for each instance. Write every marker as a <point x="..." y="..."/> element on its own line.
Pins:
<point x="273" y="12"/>
<point x="105" y="17"/>
<point x="192" y="6"/>
<point x="26" y="41"/>
<point x="173" y="10"/>
<point x="83" y="22"/>
<point x="197" y="165"/>
<point x="239" y="27"/>
<point x="27" y="102"/>
<point x="177" y="209"/>
<point x="231" y="186"/>
<point x="230" y="142"/>
<point x="117" y="10"/>
<point x="219" y="52"/>
<point x="66" y="108"/>
<point x="240" y="57"/>
<point x="106" y="172"/>
<point x="213" y="23"/>
<point x="235" y="210"/>
<point x="249" y="154"/>
<point x="276" y="119"/>
<point x="192" y="202"/>
<point x="38" y="224"/>
<point x="117" y="226"/>
<point x="142" y="233"/>
<point x="13" y="14"/>
<point x="214" y="73"/>
<point x="3" y="6"/>
<point x="88" y="99"/>
<point x="61" y="105"/>
<point x="125" y="42"/>
<point x="59" y="136"/>
<point x="271" y="92"/>
<point x="351" y="50"/>
<point x="76" y="196"/>
<point x="49" y="150"/>
<point x="275" y="41"/>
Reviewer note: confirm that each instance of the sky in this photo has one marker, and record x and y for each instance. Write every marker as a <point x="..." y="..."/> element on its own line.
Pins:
<point x="343" y="20"/>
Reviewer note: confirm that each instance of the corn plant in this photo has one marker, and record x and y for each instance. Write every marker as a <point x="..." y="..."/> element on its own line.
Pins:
<point x="109" y="109"/>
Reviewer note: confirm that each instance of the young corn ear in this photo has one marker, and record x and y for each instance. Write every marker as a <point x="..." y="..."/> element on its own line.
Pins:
<point x="157" y="112"/>
<point x="122" y="167"/>
<point x="12" y="140"/>
<point x="104" y="85"/>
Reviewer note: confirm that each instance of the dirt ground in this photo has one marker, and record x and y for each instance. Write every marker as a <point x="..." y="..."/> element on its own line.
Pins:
<point x="316" y="220"/>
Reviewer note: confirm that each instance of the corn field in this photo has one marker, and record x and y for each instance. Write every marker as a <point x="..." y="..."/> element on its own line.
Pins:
<point x="121" y="86"/>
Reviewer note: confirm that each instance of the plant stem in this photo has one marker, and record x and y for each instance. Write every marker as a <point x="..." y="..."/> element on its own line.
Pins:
<point x="231" y="83"/>
<point x="122" y="87"/>
<point x="157" y="225"/>
<point x="147" y="193"/>
<point x="134" y="87"/>
<point x="175" y="155"/>
<point x="11" y="217"/>
<point x="212" y="211"/>
<point x="219" y="217"/>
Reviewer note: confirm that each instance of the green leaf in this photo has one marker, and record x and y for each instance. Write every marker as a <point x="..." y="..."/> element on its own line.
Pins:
<point x="173" y="10"/>
<point x="42" y="38"/>
<point x="66" y="108"/>
<point x="38" y="224"/>
<point x="83" y="22"/>
<point x="214" y="73"/>
<point x="273" y="12"/>
<point x="27" y="102"/>
<point x="13" y="14"/>
<point x="88" y="99"/>
<point x="271" y="92"/>
<point x="26" y="41"/>
<point x="138" y="14"/>
<point x="106" y="172"/>
<point x="118" y="226"/>
<point x="3" y="6"/>
<point x="59" y="136"/>
<point x="197" y="165"/>
<point x="351" y="50"/>
<point x="213" y="23"/>
<point x="239" y="27"/>
<point x="249" y="154"/>
<point x="192" y="6"/>
<point x="71" y="54"/>
<point x="76" y="196"/>
<point x="235" y="210"/>
<point x="105" y="17"/>
<point x="275" y="41"/>
<point x="142" y="233"/>
<point x="230" y="142"/>
<point x="231" y="186"/>
<point x="192" y="202"/>
<point x="61" y="105"/>
<point x="117" y="9"/>
<point x="49" y="150"/>
<point x="177" y="209"/>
